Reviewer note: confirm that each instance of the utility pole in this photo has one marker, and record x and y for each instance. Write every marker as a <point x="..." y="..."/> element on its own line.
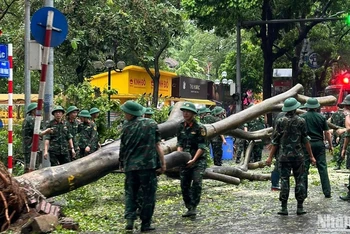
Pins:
<point x="27" y="83"/>
<point x="48" y="97"/>
<point x="238" y="69"/>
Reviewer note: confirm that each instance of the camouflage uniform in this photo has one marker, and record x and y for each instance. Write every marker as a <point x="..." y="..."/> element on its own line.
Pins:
<point x="275" y="174"/>
<point x="88" y="136"/>
<point x="290" y="136"/>
<point x="139" y="159"/>
<point x="338" y="118"/>
<point x="255" y="125"/>
<point x="27" y="132"/>
<point x="73" y="128"/>
<point x="316" y="124"/>
<point x="191" y="138"/>
<point x="216" y="143"/>
<point x="59" y="146"/>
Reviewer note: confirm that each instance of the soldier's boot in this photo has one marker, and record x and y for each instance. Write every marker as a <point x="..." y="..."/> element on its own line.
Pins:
<point x="300" y="209"/>
<point x="129" y="224"/>
<point x="191" y="212"/>
<point x="284" y="209"/>
<point x="345" y="198"/>
<point x="146" y="227"/>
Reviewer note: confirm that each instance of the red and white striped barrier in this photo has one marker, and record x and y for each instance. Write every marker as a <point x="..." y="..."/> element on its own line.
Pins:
<point x="44" y="65"/>
<point x="10" y="111"/>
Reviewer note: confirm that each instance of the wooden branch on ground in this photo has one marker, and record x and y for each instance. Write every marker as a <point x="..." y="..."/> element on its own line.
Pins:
<point x="236" y="172"/>
<point x="248" y="152"/>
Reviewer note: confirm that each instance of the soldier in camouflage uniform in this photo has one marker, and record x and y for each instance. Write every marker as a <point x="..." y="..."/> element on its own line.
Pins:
<point x="27" y="133"/>
<point x="73" y="127"/>
<point x="191" y="138"/>
<point x="288" y="138"/>
<point x="255" y="125"/>
<point x="59" y="141"/>
<point x="88" y="136"/>
<point x="95" y="112"/>
<point x="217" y="141"/>
<point x="317" y="127"/>
<point x="139" y="157"/>
<point x="338" y="118"/>
<point x="148" y="113"/>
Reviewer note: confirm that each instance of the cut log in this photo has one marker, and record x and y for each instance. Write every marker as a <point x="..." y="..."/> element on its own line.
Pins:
<point x="236" y="172"/>
<point x="209" y="174"/>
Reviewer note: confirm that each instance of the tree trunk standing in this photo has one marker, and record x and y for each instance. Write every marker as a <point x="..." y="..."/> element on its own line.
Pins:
<point x="155" y="90"/>
<point x="267" y="39"/>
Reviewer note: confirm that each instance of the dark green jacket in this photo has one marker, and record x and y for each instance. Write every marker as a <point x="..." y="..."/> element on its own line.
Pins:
<point x="88" y="136"/>
<point x="315" y="125"/>
<point x="138" y="145"/>
<point x="191" y="138"/>
<point x="290" y="136"/>
<point x="59" y="138"/>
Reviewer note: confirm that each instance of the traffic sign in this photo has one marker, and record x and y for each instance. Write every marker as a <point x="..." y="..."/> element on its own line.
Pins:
<point x="59" y="26"/>
<point x="4" y="68"/>
<point x="3" y="52"/>
<point x="312" y="61"/>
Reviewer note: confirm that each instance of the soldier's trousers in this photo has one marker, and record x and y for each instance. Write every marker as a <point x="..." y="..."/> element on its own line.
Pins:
<point x="298" y="172"/>
<point x="217" y="152"/>
<point x="191" y="183"/>
<point x="256" y="152"/>
<point x="59" y="159"/>
<point x="146" y="180"/>
<point x="319" y="152"/>
<point x="275" y="176"/>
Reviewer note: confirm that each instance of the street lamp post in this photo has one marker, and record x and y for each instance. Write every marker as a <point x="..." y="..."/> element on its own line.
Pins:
<point x="223" y="83"/>
<point x="109" y="64"/>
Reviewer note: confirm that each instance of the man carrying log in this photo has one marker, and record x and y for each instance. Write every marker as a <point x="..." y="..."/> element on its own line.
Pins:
<point x="140" y="153"/>
<point x="288" y="138"/>
<point x="191" y="139"/>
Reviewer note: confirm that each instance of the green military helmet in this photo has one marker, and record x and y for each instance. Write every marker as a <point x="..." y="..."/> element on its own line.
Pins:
<point x="31" y="107"/>
<point x="189" y="106"/>
<point x="346" y="101"/>
<point x="71" y="109"/>
<point x="133" y="108"/>
<point x="94" y="110"/>
<point x="57" y="108"/>
<point x="218" y="110"/>
<point x="84" y="113"/>
<point x="290" y="104"/>
<point x="149" y="111"/>
<point x="202" y="110"/>
<point x="312" y="103"/>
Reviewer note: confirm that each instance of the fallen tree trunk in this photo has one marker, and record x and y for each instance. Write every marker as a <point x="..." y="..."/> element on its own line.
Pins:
<point x="53" y="181"/>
